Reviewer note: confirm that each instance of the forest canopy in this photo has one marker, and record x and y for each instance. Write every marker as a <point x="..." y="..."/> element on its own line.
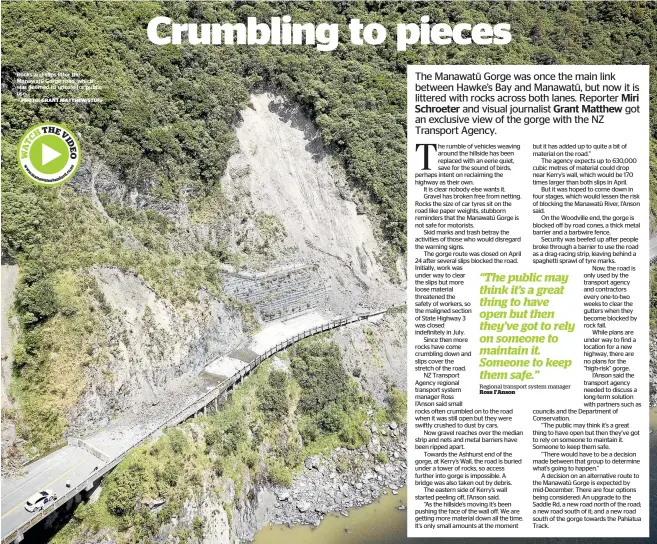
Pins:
<point x="168" y="111"/>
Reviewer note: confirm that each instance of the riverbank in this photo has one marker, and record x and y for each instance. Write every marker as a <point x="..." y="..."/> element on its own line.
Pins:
<point x="341" y="480"/>
<point x="380" y="523"/>
<point x="383" y="523"/>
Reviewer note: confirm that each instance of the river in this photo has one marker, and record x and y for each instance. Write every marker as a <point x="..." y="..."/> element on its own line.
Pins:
<point x="383" y="523"/>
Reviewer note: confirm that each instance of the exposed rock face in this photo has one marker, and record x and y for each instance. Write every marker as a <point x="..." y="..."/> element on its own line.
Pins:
<point x="95" y="179"/>
<point x="334" y="482"/>
<point x="312" y="462"/>
<point x="653" y="371"/>
<point x="375" y="353"/>
<point x="283" y="169"/>
<point x="9" y="280"/>
<point x="285" y="201"/>
<point x="12" y="456"/>
<point x="151" y="345"/>
<point x="303" y="506"/>
<point x="214" y="527"/>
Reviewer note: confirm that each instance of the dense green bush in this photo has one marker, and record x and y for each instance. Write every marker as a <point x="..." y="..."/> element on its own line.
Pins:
<point x="317" y="367"/>
<point x="177" y="441"/>
<point x="233" y="435"/>
<point x="354" y="434"/>
<point x="177" y="104"/>
<point x="166" y="126"/>
<point x="122" y="489"/>
<point x="332" y="418"/>
<point x="332" y="402"/>
<point x="35" y="296"/>
<point x="309" y="430"/>
<point x="279" y="473"/>
<point x="273" y="395"/>
<point x="218" y="467"/>
<point x="169" y="473"/>
<point x="397" y="405"/>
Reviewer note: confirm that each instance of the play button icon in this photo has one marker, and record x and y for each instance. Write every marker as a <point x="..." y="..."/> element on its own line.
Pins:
<point x="48" y="154"/>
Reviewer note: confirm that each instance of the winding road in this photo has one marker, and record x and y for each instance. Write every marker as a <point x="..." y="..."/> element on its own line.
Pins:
<point x="84" y="461"/>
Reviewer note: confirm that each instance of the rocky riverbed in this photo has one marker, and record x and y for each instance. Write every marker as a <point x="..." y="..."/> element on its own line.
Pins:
<point x="343" y="479"/>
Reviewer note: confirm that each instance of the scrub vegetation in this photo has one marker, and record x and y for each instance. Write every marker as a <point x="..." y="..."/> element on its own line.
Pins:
<point x="168" y="111"/>
<point x="271" y="424"/>
<point x="55" y="236"/>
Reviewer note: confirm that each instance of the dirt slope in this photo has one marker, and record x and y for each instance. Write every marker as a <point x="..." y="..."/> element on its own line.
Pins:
<point x="284" y="170"/>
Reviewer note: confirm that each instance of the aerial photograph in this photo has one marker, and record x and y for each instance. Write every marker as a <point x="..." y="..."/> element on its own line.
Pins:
<point x="204" y="322"/>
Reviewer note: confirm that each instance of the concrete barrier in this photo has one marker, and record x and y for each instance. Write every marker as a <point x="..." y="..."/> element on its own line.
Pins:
<point x="91" y="449"/>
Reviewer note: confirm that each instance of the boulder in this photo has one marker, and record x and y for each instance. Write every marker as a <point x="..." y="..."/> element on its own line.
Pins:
<point x="312" y="462"/>
<point x="374" y="445"/>
<point x="303" y="506"/>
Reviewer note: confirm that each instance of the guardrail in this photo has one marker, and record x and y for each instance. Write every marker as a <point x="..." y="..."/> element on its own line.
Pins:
<point x="185" y="414"/>
<point x="78" y="442"/>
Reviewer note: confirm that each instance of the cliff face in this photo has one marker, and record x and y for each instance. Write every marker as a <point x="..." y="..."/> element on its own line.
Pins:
<point x="282" y="199"/>
<point x="328" y="483"/>
<point x="163" y="312"/>
<point x="12" y="456"/>
<point x="282" y="169"/>
<point x="653" y="372"/>
<point x="153" y="347"/>
<point x="375" y="353"/>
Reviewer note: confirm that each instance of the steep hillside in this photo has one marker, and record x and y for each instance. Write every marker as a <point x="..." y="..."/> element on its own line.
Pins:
<point x="284" y="171"/>
<point x="298" y="439"/>
<point x="12" y="457"/>
<point x="127" y="305"/>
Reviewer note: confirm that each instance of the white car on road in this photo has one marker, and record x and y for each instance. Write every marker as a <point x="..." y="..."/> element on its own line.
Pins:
<point x="40" y="500"/>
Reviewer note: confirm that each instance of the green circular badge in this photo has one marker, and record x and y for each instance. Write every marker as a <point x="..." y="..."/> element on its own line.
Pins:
<point x="48" y="154"/>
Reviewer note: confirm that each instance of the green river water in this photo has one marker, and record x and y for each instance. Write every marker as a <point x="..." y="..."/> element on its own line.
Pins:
<point x="383" y="523"/>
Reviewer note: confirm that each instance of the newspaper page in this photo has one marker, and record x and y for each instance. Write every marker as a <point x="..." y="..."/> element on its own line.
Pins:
<point x="353" y="272"/>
